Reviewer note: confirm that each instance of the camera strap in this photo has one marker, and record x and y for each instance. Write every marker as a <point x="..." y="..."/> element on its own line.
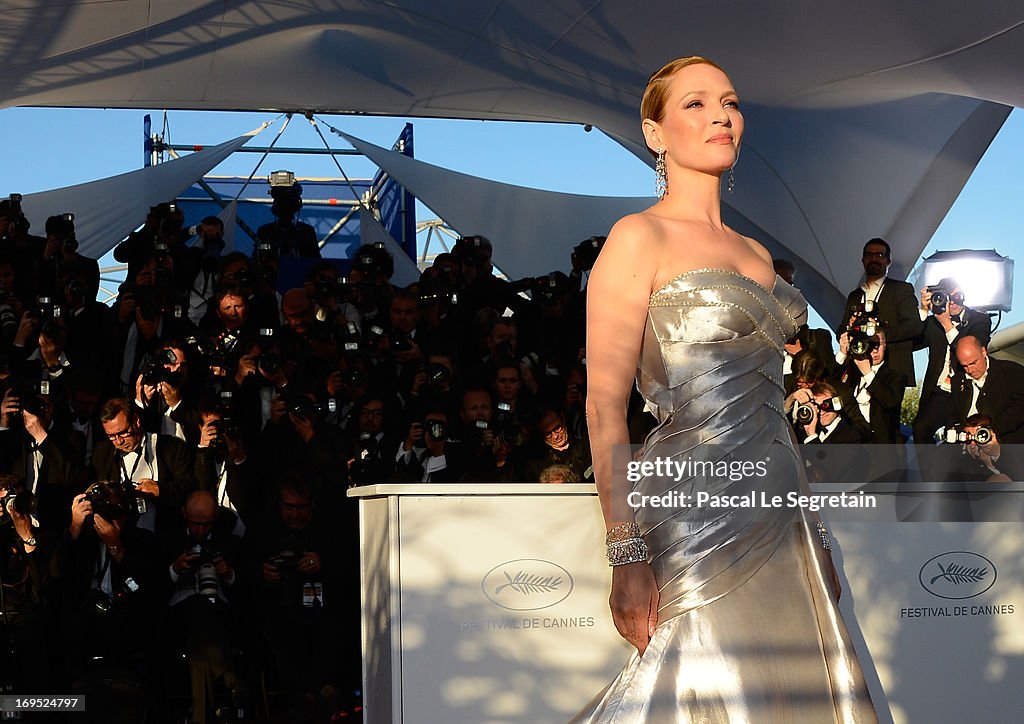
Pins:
<point x="101" y="577"/>
<point x="142" y="454"/>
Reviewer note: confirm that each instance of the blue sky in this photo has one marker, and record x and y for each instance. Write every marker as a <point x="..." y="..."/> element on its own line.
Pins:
<point x="46" y="148"/>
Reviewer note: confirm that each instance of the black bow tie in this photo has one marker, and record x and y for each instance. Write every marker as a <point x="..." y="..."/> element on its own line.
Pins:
<point x="955" y="318"/>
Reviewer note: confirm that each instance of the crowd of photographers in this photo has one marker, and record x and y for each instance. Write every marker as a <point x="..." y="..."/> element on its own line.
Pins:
<point x="174" y="465"/>
<point x="970" y="417"/>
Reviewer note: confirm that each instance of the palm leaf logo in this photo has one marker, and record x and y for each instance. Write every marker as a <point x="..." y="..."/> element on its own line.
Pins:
<point x="526" y="584"/>
<point x="957" y="574"/>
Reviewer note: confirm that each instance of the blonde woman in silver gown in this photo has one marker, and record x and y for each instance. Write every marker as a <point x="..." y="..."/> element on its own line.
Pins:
<point x="734" y="618"/>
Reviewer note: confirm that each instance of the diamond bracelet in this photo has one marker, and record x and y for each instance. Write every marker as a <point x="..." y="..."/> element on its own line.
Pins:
<point x="625" y="545"/>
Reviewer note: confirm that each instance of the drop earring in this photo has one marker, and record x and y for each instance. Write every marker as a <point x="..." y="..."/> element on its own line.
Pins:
<point x="730" y="183"/>
<point x="660" y="177"/>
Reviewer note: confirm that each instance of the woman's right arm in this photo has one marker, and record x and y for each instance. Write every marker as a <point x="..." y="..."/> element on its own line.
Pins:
<point x="618" y="294"/>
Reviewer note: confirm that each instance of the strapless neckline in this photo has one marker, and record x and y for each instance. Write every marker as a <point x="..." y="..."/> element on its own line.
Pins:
<point x="718" y="270"/>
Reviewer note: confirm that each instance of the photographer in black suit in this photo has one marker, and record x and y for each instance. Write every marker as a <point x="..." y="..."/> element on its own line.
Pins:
<point x="201" y="560"/>
<point x="108" y="574"/>
<point x="894" y="305"/>
<point x="991" y="387"/>
<point x="826" y="421"/>
<point x="944" y="322"/>
<point x="984" y="459"/>
<point x="161" y="468"/>
<point x="877" y="389"/>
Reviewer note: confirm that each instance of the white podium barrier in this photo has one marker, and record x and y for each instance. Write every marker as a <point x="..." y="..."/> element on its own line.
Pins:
<point x="488" y="603"/>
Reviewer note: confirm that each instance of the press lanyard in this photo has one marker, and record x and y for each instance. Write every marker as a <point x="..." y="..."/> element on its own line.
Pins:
<point x="138" y="458"/>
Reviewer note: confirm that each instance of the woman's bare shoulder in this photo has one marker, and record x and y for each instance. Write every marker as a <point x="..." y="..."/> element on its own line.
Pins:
<point x="632" y="249"/>
<point x="757" y="248"/>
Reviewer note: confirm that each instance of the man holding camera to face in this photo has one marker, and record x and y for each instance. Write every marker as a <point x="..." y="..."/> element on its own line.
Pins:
<point x="891" y="302"/>
<point x="38" y="452"/>
<point x="946" y="318"/>
<point x="60" y="253"/>
<point x="427" y="455"/>
<point x="202" y="564"/>
<point x="991" y="387"/>
<point x="984" y="459"/>
<point x="221" y="460"/>
<point x="108" y="572"/>
<point x="821" y="419"/>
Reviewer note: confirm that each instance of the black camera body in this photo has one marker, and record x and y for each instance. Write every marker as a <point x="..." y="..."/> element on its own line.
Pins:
<point x="982" y="436"/>
<point x="112" y="499"/>
<point x="30" y="396"/>
<point x="303" y="407"/>
<point x="508" y="426"/>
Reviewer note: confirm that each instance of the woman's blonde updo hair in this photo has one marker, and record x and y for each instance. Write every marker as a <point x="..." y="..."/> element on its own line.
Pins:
<point x="656" y="93"/>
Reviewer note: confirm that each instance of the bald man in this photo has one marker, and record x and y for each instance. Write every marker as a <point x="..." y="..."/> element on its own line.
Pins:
<point x="202" y="571"/>
<point x="990" y="387"/>
<point x="297" y="310"/>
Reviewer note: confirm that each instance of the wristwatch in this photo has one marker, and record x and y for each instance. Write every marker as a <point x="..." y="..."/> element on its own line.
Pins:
<point x="30" y="541"/>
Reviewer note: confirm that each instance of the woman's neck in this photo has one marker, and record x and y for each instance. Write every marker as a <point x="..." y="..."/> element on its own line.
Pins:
<point x="693" y="196"/>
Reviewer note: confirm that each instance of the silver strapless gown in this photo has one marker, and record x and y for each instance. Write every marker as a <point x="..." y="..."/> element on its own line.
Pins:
<point x="748" y="628"/>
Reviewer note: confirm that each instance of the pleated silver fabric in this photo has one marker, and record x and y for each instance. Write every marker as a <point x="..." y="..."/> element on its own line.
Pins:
<point x="748" y="629"/>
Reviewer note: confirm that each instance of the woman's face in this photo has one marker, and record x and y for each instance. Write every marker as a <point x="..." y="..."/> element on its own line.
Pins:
<point x="702" y="126"/>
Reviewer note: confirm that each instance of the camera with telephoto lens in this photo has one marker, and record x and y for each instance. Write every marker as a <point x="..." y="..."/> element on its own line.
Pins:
<point x="30" y="397"/>
<point x="62" y="228"/>
<point x="14" y="498"/>
<point x="154" y="368"/>
<point x="48" y="312"/>
<point x="508" y="425"/>
<point x="226" y="350"/>
<point x="941" y="297"/>
<point x="477" y="431"/>
<point x="805" y="413"/>
<point x="982" y="435"/>
<point x="112" y="499"/>
<point x="374" y="333"/>
<point x="99" y="603"/>
<point x="863" y="329"/>
<point x="226" y="425"/>
<point x="367" y="467"/>
<point x="436" y="429"/>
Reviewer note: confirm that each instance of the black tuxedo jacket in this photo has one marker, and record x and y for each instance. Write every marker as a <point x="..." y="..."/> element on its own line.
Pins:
<point x="175" y="467"/>
<point x="1002" y="399"/>
<point x="886" y="391"/>
<point x="973" y="323"/>
<point x="244" y="483"/>
<point x="61" y="477"/>
<point x="896" y="306"/>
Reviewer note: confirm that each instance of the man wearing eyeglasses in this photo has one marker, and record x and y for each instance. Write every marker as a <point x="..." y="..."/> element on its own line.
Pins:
<point x="944" y="324"/>
<point x="560" y="448"/>
<point x="895" y="306"/>
<point x="161" y="467"/>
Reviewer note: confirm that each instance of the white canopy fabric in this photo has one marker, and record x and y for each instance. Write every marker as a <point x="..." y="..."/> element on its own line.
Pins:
<point x="107" y="210"/>
<point x="371" y="231"/>
<point x="863" y="119"/>
<point x="532" y="230"/>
